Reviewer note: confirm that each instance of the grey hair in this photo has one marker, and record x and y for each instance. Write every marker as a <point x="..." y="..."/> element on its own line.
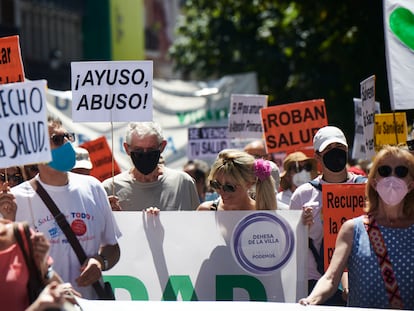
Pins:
<point x="144" y="129"/>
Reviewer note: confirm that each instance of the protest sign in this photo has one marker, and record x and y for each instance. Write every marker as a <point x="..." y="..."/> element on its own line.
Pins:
<point x="358" y="147"/>
<point x="291" y="127"/>
<point x="390" y="129"/>
<point x="104" y="165"/>
<point x="114" y="91"/>
<point x="399" y="44"/>
<point x="206" y="142"/>
<point x="24" y="135"/>
<point x="244" y="118"/>
<point x="203" y="256"/>
<point x="11" y="65"/>
<point x="340" y="202"/>
<point x="368" y="111"/>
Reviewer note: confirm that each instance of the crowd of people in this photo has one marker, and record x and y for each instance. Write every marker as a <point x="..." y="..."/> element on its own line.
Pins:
<point x="245" y="179"/>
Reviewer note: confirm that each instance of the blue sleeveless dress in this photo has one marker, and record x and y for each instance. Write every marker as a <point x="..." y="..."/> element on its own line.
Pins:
<point x="366" y="285"/>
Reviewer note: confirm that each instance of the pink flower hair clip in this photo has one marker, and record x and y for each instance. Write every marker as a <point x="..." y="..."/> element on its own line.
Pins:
<point x="262" y="169"/>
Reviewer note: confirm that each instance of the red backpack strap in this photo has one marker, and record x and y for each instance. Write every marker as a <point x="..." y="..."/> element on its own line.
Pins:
<point x="387" y="272"/>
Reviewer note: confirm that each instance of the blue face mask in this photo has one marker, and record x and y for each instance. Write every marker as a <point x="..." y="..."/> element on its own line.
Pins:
<point x="63" y="158"/>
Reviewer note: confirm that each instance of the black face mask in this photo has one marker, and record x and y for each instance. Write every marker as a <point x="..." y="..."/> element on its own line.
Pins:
<point x="145" y="162"/>
<point x="335" y="160"/>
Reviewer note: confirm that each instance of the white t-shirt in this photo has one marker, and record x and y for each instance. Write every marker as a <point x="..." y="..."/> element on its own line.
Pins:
<point x="283" y="199"/>
<point x="307" y="195"/>
<point x="85" y="204"/>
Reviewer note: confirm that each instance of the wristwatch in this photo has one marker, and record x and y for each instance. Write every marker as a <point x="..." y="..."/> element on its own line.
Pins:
<point x="105" y="262"/>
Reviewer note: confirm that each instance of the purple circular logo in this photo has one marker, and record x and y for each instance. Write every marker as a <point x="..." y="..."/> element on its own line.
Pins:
<point x="262" y="243"/>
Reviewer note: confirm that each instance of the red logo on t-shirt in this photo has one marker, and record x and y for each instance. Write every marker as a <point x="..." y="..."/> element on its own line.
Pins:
<point x="78" y="227"/>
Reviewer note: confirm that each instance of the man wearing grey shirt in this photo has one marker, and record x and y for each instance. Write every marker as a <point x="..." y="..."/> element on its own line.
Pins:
<point x="149" y="183"/>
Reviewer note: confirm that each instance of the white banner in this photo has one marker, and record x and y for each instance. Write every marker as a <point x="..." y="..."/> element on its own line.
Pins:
<point x="178" y="105"/>
<point x="105" y="305"/>
<point x="399" y="42"/>
<point x="208" y="256"/>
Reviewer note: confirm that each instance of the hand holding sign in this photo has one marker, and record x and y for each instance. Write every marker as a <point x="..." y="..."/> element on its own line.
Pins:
<point x="8" y="204"/>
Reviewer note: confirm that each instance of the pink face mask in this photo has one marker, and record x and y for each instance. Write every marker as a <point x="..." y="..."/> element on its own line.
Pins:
<point x="392" y="190"/>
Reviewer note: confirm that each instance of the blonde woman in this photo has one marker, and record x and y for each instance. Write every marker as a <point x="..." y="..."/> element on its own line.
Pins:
<point x="233" y="175"/>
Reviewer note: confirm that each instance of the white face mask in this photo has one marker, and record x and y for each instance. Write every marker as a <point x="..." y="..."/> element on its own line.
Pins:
<point x="302" y="177"/>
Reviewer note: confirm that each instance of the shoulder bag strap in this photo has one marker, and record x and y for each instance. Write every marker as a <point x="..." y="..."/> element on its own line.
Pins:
<point x="22" y="235"/>
<point x="67" y="230"/>
<point x="387" y="272"/>
<point x="316" y="184"/>
<point x="22" y="243"/>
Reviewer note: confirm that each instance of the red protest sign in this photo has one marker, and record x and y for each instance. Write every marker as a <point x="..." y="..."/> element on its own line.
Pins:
<point x="11" y="65"/>
<point x="291" y="127"/>
<point x="101" y="158"/>
<point x="340" y="202"/>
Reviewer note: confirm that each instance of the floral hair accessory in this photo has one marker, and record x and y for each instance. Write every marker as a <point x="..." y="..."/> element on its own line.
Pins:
<point x="262" y="169"/>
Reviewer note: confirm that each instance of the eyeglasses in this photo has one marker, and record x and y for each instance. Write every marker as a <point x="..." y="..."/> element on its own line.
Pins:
<point x="226" y="187"/>
<point x="17" y="178"/>
<point x="299" y="168"/>
<point x="59" y="139"/>
<point x="399" y="171"/>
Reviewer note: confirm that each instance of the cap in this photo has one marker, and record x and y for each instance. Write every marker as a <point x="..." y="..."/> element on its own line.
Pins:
<point x="326" y="136"/>
<point x="82" y="158"/>
<point x="293" y="157"/>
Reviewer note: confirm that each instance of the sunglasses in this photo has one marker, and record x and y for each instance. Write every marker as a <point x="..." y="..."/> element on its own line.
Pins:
<point x="17" y="178"/>
<point x="299" y="168"/>
<point x="226" y="188"/>
<point x="399" y="171"/>
<point x="59" y="139"/>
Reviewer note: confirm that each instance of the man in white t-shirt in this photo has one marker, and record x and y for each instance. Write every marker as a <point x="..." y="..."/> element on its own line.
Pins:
<point x="83" y="201"/>
<point x="331" y="151"/>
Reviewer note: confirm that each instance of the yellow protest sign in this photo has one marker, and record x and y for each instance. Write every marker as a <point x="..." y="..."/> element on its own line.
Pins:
<point x="390" y="129"/>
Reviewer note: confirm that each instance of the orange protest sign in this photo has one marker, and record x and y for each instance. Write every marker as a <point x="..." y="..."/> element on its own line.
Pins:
<point x="291" y="127"/>
<point x="11" y="65"/>
<point x="101" y="158"/>
<point x="340" y="202"/>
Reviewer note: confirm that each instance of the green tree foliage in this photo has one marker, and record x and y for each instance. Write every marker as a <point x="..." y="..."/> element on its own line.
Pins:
<point x="300" y="49"/>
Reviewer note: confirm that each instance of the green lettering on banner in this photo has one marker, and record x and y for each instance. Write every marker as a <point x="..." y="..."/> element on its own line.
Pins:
<point x="226" y="283"/>
<point x="194" y="117"/>
<point x="179" y="284"/>
<point x="134" y="286"/>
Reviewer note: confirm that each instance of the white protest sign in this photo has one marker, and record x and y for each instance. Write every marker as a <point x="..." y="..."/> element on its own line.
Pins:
<point x="368" y="111"/>
<point x="211" y="256"/>
<point x="24" y="135"/>
<point x="206" y="142"/>
<point x="245" y="120"/>
<point x="399" y="43"/>
<point x="117" y="91"/>
<point x="358" y="149"/>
